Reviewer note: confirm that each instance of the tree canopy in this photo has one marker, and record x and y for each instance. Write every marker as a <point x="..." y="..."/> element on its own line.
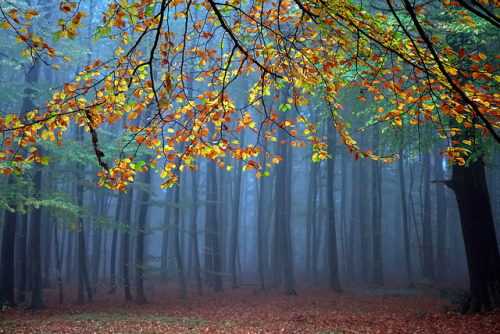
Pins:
<point x="172" y="78"/>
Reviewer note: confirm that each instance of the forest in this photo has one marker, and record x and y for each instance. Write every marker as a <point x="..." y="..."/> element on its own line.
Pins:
<point x="249" y="166"/>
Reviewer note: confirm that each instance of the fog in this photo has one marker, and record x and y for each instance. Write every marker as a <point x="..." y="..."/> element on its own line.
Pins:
<point x="286" y="221"/>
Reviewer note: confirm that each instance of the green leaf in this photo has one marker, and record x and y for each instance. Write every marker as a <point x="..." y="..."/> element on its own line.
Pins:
<point x="57" y="36"/>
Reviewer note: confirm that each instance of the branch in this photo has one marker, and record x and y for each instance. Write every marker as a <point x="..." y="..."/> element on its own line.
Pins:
<point x="455" y="87"/>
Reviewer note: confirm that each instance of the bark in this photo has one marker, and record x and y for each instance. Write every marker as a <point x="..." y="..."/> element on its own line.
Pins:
<point x="406" y="225"/>
<point x="140" y="297"/>
<point x="194" y="233"/>
<point x="83" y="275"/>
<point x="114" y="241"/>
<point x="58" y="264"/>
<point x="332" y="256"/>
<point x="478" y="231"/>
<point x="427" y="246"/>
<point x="126" y="246"/>
<point x="441" y="223"/>
<point x="282" y="217"/>
<point x="178" y="254"/>
<point x="235" y="219"/>
<point x="7" y="258"/>
<point x="23" y="270"/>
<point x="378" y="278"/>
<point x="213" y="226"/>
<point x="35" y="249"/>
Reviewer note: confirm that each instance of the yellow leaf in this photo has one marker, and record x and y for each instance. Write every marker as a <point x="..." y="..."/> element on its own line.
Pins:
<point x="6" y="24"/>
<point x="56" y="67"/>
<point x="67" y="59"/>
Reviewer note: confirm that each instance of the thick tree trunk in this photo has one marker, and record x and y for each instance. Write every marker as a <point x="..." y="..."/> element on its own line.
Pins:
<point x="7" y="259"/>
<point x="478" y="231"/>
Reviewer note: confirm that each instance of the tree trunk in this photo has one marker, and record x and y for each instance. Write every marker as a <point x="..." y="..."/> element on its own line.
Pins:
<point x="406" y="225"/>
<point x="178" y="254"/>
<point x="140" y="297"/>
<point x="332" y="256"/>
<point x="194" y="232"/>
<point x="441" y="223"/>
<point x="213" y="226"/>
<point x="23" y="270"/>
<point x="427" y="247"/>
<point x="35" y="250"/>
<point x="281" y="214"/>
<point x="235" y="219"/>
<point x="478" y="230"/>
<point x="114" y="241"/>
<point x="83" y="275"/>
<point x="7" y="257"/>
<point x="378" y="278"/>
<point x="126" y="246"/>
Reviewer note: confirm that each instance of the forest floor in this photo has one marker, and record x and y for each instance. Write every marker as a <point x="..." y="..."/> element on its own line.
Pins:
<point x="245" y="310"/>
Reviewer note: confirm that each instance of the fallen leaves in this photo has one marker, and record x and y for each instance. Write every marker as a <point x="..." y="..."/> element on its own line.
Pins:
<point x="247" y="310"/>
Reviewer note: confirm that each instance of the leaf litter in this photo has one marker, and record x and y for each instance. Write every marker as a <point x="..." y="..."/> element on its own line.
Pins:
<point x="248" y="310"/>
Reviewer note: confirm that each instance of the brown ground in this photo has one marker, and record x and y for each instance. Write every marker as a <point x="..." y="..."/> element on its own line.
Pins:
<point x="244" y="311"/>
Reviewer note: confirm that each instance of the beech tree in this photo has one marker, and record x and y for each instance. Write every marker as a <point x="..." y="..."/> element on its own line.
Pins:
<point x="314" y="48"/>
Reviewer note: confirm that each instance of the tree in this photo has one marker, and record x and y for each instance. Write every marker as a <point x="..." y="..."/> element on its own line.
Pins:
<point x="309" y="46"/>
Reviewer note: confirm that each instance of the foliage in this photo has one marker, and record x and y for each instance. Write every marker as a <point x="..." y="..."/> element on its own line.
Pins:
<point x="174" y="62"/>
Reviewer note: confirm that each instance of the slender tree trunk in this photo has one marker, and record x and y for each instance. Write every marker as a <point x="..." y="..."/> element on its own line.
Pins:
<point x="213" y="226"/>
<point x="83" y="275"/>
<point x="114" y="241"/>
<point x="58" y="263"/>
<point x="165" y="236"/>
<point x="194" y="233"/>
<point x="178" y="254"/>
<point x="428" y="253"/>
<point x="126" y="246"/>
<point x="235" y="219"/>
<point x="354" y="218"/>
<point x="140" y="297"/>
<point x="406" y="225"/>
<point x="441" y="213"/>
<point x="363" y="220"/>
<point x="332" y="255"/>
<point x="282" y="222"/>
<point x="23" y="270"/>
<point x="378" y="278"/>
<point x="35" y="249"/>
